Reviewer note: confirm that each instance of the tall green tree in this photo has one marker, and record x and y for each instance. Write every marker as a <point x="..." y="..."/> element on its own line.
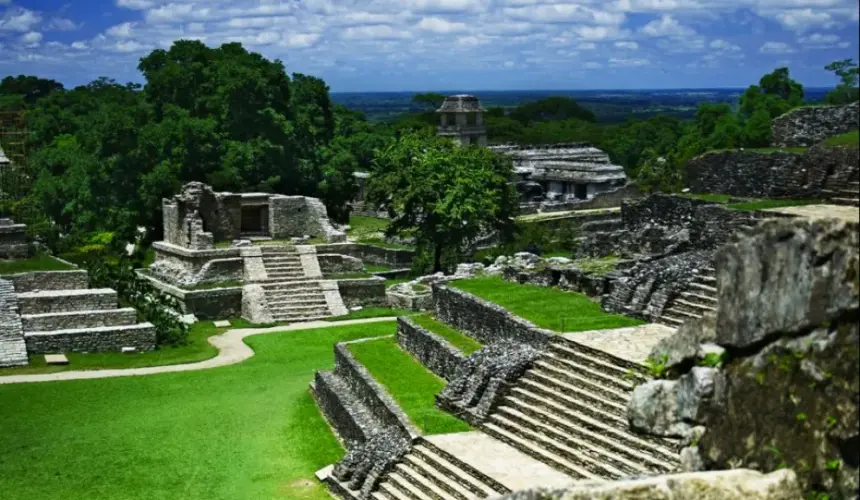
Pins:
<point x="446" y="196"/>
<point x="846" y="91"/>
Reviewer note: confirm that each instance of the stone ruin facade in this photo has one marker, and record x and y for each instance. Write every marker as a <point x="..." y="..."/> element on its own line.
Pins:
<point x="13" y="240"/>
<point x="562" y="172"/>
<point x="810" y="125"/>
<point x="461" y="118"/>
<point x="198" y="217"/>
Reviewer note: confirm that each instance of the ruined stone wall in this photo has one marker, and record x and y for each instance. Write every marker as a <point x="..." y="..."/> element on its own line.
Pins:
<point x="217" y="303"/>
<point x="49" y="280"/>
<point x="197" y="212"/>
<point x="771" y="381"/>
<point x="434" y="352"/>
<point x="13" y="240"/>
<point x="363" y="292"/>
<point x="369" y="254"/>
<point x="750" y="174"/>
<point x="142" y="338"/>
<point x="11" y="332"/>
<point x="298" y="216"/>
<point x="810" y="125"/>
<point x="332" y="263"/>
<point x="483" y="320"/>
<point x="187" y="268"/>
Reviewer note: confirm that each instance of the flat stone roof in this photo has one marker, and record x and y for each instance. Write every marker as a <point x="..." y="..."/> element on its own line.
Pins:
<point x="461" y="103"/>
<point x="632" y="343"/>
<point x="568" y="162"/>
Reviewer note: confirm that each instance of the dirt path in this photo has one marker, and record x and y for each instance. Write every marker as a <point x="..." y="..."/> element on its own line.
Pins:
<point x="231" y="350"/>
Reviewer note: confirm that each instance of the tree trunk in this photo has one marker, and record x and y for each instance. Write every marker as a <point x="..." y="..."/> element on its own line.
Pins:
<point x="437" y="258"/>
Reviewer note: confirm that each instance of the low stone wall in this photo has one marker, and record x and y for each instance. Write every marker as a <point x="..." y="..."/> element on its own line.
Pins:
<point x="742" y="173"/>
<point x="483" y="320"/>
<point x="370" y="392"/>
<point x="142" y="337"/>
<point x="185" y="267"/>
<point x="363" y="292"/>
<point x="809" y="125"/>
<point x="217" y="303"/>
<point x="13" y="240"/>
<point x="328" y="392"/>
<point x="607" y="199"/>
<point x="434" y="352"/>
<point x="370" y="254"/>
<point x="574" y="280"/>
<point x="49" y="280"/>
<point x="12" y="352"/>
<point x="335" y="263"/>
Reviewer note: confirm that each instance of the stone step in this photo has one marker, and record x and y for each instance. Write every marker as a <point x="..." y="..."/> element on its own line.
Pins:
<point x="296" y="297"/>
<point x="439" y="477"/>
<point x="422" y="483"/>
<point x="379" y="495"/>
<point x="284" y="278"/>
<point x="299" y="319"/>
<point x="670" y="320"/>
<point x="294" y="286"/>
<point x="285" y="267"/>
<point x="692" y="307"/>
<point x="597" y="377"/>
<point x="405" y="487"/>
<point x="314" y="300"/>
<point x="78" y="319"/>
<point x="289" y="306"/>
<point x="705" y="280"/>
<point x="702" y="289"/>
<point x="569" y="352"/>
<point x="598" y="459"/>
<point x="591" y="404"/>
<point x="13" y="352"/>
<point x="140" y="335"/>
<point x="448" y="466"/>
<point x="846" y="201"/>
<point x="697" y="298"/>
<point x="49" y="301"/>
<point x="681" y="314"/>
<point x="568" y="383"/>
<point x="501" y="429"/>
<point x="629" y="449"/>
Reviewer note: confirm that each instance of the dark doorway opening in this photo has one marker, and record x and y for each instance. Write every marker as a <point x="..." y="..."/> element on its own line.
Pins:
<point x="255" y="220"/>
<point x="580" y="191"/>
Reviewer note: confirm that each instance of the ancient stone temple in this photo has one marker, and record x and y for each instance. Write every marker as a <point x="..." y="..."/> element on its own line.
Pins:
<point x="461" y="118"/>
<point x="562" y="172"/>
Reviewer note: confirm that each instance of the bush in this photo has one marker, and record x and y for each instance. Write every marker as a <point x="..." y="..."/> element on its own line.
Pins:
<point x="159" y="309"/>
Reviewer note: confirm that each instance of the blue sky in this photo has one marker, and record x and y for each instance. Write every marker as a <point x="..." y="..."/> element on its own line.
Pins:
<point x="389" y="45"/>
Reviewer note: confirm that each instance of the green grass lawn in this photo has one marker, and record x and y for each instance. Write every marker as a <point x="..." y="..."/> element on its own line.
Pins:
<point x="753" y="205"/>
<point x="372" y="268"/>
<point x="847" y="139"/>
<point x="467" y="345"/>
<point x="244" y="432"/>
<point x="361" y="226"/>
<point x="39" y="262"/>
<point x="371" y="312"/>
<point x="409" y="383"/>
<point x="548" y="308"/>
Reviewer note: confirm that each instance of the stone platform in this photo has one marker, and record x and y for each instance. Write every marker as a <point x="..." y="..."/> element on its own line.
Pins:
<point x="631" y="344"/>
<point x="842" y="212"/>
<point x="499" y="461"/>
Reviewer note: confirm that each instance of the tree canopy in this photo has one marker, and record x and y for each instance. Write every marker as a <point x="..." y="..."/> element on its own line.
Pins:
<point x="444" y="195"/>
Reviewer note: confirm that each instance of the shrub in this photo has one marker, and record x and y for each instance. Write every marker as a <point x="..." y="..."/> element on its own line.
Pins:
<point x="159" y="309"/>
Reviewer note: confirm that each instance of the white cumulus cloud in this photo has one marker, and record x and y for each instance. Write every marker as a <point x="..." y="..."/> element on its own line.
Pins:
<point x="666" y="26"/>
<point x="776" y="48"/>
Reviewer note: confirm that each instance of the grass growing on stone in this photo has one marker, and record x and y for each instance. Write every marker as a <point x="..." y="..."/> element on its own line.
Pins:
<point x="349" y="276"/>
<point x="548" y="308"/>
<point x="361" y="226"/>
<point x="598" y="265"/>
<point x="851" y="138"/>
<point x="409" y="383"/>
<point x="713" y="198"/>
<point x="379" y="242"/>
<point x="39" y="262"/>
<point x="396" y="281"/>
<point x="245" y="432"/>
<point x="371" y="312"/>
<point x="373" y="268"/>
<point x="754" y="205"/>
<point x="213" y="286"/>
<point x="467" y="345"/>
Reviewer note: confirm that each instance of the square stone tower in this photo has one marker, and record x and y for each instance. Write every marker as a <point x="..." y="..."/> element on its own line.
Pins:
<point x="462" y="120"/>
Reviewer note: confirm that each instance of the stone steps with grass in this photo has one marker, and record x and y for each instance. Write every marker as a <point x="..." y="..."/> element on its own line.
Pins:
<point x="569" y="411"/>
<point x="698" y="299"/>
<point x="428" y="472"/>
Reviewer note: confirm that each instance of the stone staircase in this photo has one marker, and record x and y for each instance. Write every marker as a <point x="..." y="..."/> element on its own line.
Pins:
<point x="13" y="350"/>
<point x="290" y="294"/>
<point x="569" y="411"/>
<point x="57" y="315"/>
<point x="429" y="473"/>
<point x="843" y="193"/>
<point x="699" y="298"/>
